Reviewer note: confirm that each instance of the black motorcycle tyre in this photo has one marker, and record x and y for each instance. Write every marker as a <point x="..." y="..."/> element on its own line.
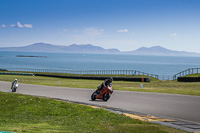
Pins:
<point x="93" y="96"/>
<point x="13" y="89"/>
<point x="106" y="97"/>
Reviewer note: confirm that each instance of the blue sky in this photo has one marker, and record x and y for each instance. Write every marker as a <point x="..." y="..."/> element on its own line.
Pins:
<point x="122" y="24"/>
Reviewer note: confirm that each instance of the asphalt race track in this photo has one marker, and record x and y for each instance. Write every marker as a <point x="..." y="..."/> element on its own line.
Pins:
<point x="181" y="107"/>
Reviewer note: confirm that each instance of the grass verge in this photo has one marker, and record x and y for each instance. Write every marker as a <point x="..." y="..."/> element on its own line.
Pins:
<point x="173" y="87"/>
<point x="22" y="113"/>
<point x="193" y="75"/>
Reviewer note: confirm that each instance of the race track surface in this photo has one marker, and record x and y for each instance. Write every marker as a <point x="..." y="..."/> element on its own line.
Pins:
<point x="182" y="107"/>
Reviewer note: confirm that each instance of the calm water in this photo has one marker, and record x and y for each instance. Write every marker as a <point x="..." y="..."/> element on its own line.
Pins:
<point x="160" y="65"/>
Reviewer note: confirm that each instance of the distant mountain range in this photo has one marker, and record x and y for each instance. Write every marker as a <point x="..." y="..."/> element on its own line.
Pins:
<point x="160" y="51"/>
<point x="74" y="48"/>
<point x="88" y="48"/>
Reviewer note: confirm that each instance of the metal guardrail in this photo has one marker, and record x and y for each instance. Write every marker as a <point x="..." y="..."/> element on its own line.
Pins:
<point x="187" y="72"/>
<point x="97" y="72"/>
<point x="110" y="72"/>
<point x="165" y="77"/>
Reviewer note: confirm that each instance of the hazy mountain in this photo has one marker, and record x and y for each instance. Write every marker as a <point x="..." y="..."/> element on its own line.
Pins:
<point x="160" y="51"/>
<point x="43" y="47"/>
<point x="88" y="48"/>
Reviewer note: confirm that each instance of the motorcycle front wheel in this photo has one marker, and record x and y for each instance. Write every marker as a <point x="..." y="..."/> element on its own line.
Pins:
<point x="106" y="97"/>
<point x="13" y="89"/>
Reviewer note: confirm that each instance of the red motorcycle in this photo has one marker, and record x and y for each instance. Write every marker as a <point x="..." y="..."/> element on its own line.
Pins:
<point x="104" y="93"/>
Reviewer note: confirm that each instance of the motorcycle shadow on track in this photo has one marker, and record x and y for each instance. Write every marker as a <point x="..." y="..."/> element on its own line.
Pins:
<point x="97" y="100"/>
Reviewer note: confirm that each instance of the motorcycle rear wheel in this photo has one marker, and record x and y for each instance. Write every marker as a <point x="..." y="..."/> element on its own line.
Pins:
<point x="93" y="96"/>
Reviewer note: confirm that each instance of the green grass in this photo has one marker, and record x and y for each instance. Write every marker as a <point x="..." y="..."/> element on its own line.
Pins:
<point x="85" y="75"/>
<point x="173" y="87"/>
<point x="193" y="75"/>
<point x="22" y="113"/>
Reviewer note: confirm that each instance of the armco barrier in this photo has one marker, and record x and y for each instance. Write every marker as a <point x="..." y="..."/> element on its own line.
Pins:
<point x="14" y="73"/>
<point x="188" y="79"/>
<point x="134" y="79"/>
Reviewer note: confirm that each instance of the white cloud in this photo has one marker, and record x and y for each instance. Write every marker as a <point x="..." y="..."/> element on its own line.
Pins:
<point x="124" y="30"/>
<point x="93" y="31"/>
<point x="173" y="35"/>
<point x="12" y="25"/>
<point x="28" y="25"/>
<point x="3" y="26"/>
<point x="19" y="25"/>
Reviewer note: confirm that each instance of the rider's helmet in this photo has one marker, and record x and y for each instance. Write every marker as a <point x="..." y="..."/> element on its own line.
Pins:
<point x="15" y="79"/>
<point x="110" y="79"/>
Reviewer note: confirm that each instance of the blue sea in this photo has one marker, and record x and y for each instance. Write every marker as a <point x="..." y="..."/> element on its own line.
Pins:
<point x="164" y="66"/>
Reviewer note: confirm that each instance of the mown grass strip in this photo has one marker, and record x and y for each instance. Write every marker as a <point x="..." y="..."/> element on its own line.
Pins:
<point x="23" y="113"/>
<point x="88" y="75"/>
<point x="172" y="87"/>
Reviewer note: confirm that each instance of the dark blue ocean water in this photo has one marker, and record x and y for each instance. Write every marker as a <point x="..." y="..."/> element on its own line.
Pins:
<point x="160" y="65"/>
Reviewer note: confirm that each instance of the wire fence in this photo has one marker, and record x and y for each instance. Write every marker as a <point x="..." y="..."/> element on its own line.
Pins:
<point x="165" y="77"/>
<point x="96" y="72"/>
<point x="187" y="72"/>
<point x="110" y="72"/>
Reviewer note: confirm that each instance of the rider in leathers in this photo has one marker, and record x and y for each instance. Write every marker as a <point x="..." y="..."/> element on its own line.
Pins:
<point x="104" y="84"/>
<point x="14" y="82"/>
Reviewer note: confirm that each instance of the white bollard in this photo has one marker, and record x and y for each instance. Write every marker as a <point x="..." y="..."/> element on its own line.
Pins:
<point x="141" y="85"/>
<point x="58" y="82"/>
